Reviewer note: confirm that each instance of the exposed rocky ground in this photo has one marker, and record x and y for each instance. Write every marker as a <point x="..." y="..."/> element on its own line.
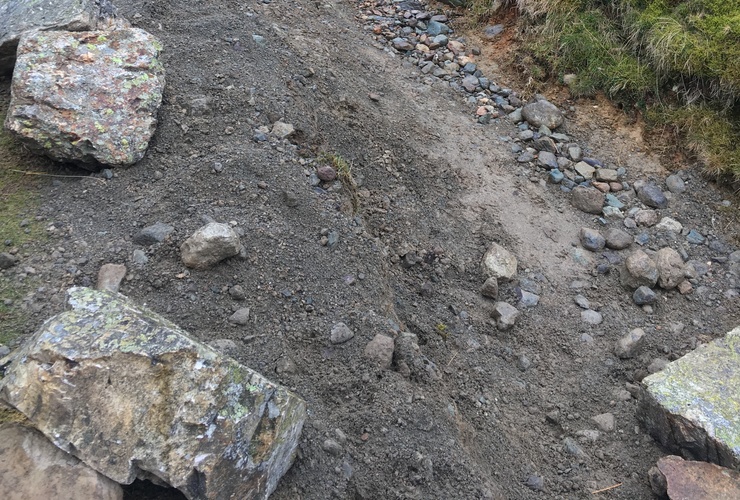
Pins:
<point x="468" y="402"/>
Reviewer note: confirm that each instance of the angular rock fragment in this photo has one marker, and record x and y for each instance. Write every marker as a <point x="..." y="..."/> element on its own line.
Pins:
<point x="151" y="235"/>
<point x="682" y="479"/>
<point x="88" y="97"/>
<point x="110" y="277"/>
<point x="588" y="199"/>
<point x="380" y="350"/>
<point x="20" y="16"/>
<point x="641" y="270"/>
<point x="210" y="245"/>
<point x="543" y="113"/>
<point x="630" y="344"/>
<point x="499" y="263"/>
<point x="670" y="268"/>
<point x="693" y="404"/>
<point x="31" y="467"/>
<point x="132" y="395"/>
<point x="505" y="315"/>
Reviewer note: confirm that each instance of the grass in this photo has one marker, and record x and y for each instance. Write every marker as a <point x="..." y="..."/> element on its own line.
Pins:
<point x="678" y="61"/>
<point x="344" y="174"/>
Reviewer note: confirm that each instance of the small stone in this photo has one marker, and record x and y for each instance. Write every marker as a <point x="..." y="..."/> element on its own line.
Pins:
<point x="575" y="153"/>
<point x="616" y="239"/>
<point x="380" y="350"/>
<point x="542" y="113"/>
<point x="695" y="237"/>
<point x="210" y="245"/>
<point x="685" y="287"/>
<point x="490" y="288"/>
<point x="675" y="184"/>
<point x="110" y="277"/>
<point x="139" y="258"/>
<point x="591" y="239"/>
<point x="156" y="233"/>
<point x="587" y="199"/>
<point x="505" y="315"/>
<point x="652" y="196"/>
<point x="237" y="292"/>
<point x="499" y="263"/>
<point x="547" y="160"/>
<point x="572" y="448"/>
<point x="326" y="173"/>
<point x="240" y="317"/>
<point x="281" y="130"/>
<point x="644" y="296"/>
<point x="606" y="175"/>
<point x="545" y="143"/>
<point x="340" y="333"/>
<point x="527" y="299"/>
<point x="603" y="187"/>
<point x="642" y="269"/>
<point x="630" y="344"/>
<point x="332" y="447"/>
<point x="584" y="170"/>
<point x="657" y="365"/>
<point x="668" y="224"/>
<point x="582" y="302"/>
<point x="523" y="363"/>
<point x="670" y="268"/>
<point x="7" y="260"/>
<point x="535" y="482"/>
<point x="591" y="317"/>
<point x="647" y="218"/>
<point x="605" y="422"/>
<point x="556" y="176"/>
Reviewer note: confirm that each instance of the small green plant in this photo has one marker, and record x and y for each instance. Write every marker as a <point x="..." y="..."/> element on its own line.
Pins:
<point x="442" y="330"/>
<point x="344" y="174"/>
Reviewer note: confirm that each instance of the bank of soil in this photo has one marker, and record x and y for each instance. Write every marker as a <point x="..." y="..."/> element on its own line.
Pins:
<point x="485" y="414"/>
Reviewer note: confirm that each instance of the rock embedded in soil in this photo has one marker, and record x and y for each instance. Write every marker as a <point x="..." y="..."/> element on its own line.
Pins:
<point x="151" y="235"/>
<point x="675" y="184"/>
<point x="326" y="173"/>
<point x="7" y="260"/>
<point x="584" y="170"/>
<point x="20" y="16"/>
<point x="670" y="268"/>
<point x="591" y="239"/>
<point x="591" y="317"/>
<point x="505" y="315"/>
<point x="240" y="317"/>
<point x="210" y="245"/>
<point x="641" y="269"/>
<point x="680" y="479"/>
<point x="132" y="395"/>
<point x="380" y="350"/>
<point x="543" y="113"/>
<point x="692" y="405"/>
<point x="88" y="98"/>
<point x="499" y="263"/>
<point x="31" y="467"/>
<point x="490" y="288"/>
<point x="644" y="295"/>
<point x="110" y="277"/>
<point x="616" y="239"/>
<point x="652" y="196"/>
<point x="668" y="224"/>
<point x="587" y="199"/>
<point x="630" y="344"/>
<point x="647" y="218"/>
<point x="281" y="130"/>
<point x="340" y="333"/>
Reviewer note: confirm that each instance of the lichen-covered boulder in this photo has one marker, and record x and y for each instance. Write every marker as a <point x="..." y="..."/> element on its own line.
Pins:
<point x="693" y="404"/>
<point x="19" y="16"/>
<point x="89" y="97"/>
<point x="32" y="467"/>
<point x="132" y="395"/>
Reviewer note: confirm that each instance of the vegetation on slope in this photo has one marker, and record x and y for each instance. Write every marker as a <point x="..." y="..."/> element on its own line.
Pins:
<point x="679" y="61"/>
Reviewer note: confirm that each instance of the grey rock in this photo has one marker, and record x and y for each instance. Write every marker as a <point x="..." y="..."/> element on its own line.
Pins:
<point x="20" y="16"/>
<point x="282" y="130"/>
<point x="591" y="239"/>
<point x="33" y="468"/>
<point x="605" y="422"/>
<point x="240" y="317"/>
<point x="647" y="218"/>
<point x="656" y="365"/>
<point x="644" y="296"/>
<point x="543" y="113"/>
<point x="584" y="170"/>
<point x="606" y="175"/>
<point x="544" y="143"/>
<point x="499" y="263"/>
<point x="695" y="237"/>
<point x="587" y="199"/>
<point x="527" y="299"/>
<point x="652" y="196"/>
<point x="401" y="44"/>
<point x="332" y="447"/>
<point x="505" y="315"/>
<point x="642" y="269"/>
<point x="630" y="344"/>
<point x="491" y="32"/>
<point x="470" y="83"/>
<point x="490" y="288"/>
<point x="668" y="224"/>
<point x="110" y="277"/>
<point x="163" y="422"/>
<point x="340" y="333"/>
<point x="225" y="346"/>
<point x="572" y="448"/>
<point x="7" y="260"/>
<point x="616" y="239"/>
<point x="139" y="258"/>
<point x="591" y="317"/>
<point x="547" y="160"/>
<point x="675" y="184"/>
<point x="535" y="482"/>
<point x="410" y="361"/>
<point x="156" y="233"/>
<point x="69" y="122"/>
<point x="575" y="153"/>
<point x="670" y="268"/>
<point x="210" y="245"/>
<point x="582" y="302"/>
<point x="237" y="292"/>
<point x="380" y="350"/>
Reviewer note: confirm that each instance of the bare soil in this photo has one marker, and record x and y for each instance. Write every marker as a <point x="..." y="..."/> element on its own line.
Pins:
<point x="472" y="422"/>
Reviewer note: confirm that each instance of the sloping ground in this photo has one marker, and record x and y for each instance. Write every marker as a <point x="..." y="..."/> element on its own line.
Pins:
<point x="483" y="413"/>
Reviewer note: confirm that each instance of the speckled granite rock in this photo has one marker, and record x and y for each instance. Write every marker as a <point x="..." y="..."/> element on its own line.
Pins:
<point x="19" y="16"/>
<point x="127" y="391"/>
<point x="88" y="97"/>
<point x="693" y="404"/>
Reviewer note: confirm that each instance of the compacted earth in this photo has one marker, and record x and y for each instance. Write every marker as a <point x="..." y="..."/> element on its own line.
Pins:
<point x="465" y="410"/>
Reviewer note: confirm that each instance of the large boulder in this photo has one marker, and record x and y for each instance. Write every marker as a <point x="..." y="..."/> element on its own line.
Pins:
<point x="20" y="16"/>
<point x="32" y="467"/>
<point x="90" y="97"/>
<point x="693" y="404"/>
<point x="132" y="395"/>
